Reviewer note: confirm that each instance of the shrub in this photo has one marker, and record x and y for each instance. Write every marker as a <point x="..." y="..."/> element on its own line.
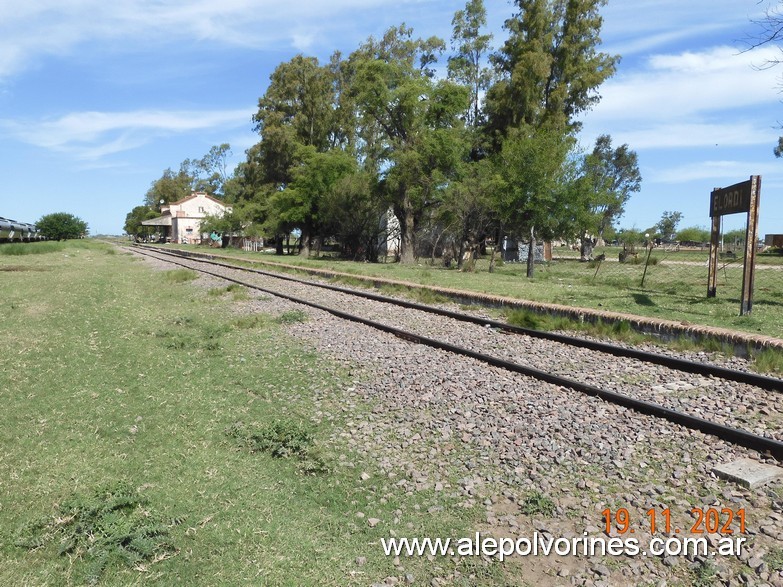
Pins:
<point x="538" y="503"/>
<point x="113" y="524"/>
<point x="61" y="226"/>
<point x="281" y="439"/>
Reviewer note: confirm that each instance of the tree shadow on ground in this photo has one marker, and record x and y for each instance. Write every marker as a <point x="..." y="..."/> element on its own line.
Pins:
<point x="642" y="299"/>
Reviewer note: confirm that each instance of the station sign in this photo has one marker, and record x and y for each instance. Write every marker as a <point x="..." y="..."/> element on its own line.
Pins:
<point x="731" y="200"/>
<point x="740" y="197"/>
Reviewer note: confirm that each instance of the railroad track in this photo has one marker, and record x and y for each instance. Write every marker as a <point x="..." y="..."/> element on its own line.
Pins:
<point x="758" y="442"/>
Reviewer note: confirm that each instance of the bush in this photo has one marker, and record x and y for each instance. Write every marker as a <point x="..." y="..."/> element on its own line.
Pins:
<point x="694" y="234"/>
<point x="113" y="524"/>
<point x="61" y="226"/>
<point x="282" y="439"/>
<point x="538" y="504"/>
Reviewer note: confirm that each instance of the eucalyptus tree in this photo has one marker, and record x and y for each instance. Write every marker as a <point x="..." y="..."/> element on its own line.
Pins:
<point x="667" y="225"/>
<point x="770" y="30"/>
<point x="133" y="221"/>
<point x="610" y="176"/>
<point x="353" y="213"/>
<point x="169" y="187"/>
<point x="215" y="166"/>
<point x="208" y="174"/>
<point x="299" y="203"/>
<point x="548" y="72"/>
<point x="532" y="193"/>
<point x="549" y="67"/>
<point x="299" y="98"/>
<point x="468" y="214"/>
<point x="468" y="65"/>
<point x="408" y="123"/>
<point x="296" y="118"/>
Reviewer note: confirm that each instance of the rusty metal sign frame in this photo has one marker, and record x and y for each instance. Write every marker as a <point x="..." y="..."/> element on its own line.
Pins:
<point x="740" y="197"/>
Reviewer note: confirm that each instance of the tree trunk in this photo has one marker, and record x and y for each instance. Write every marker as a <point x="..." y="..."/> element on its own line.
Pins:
<point x="278" y="244"/>
<point x="304" y="251"/>
<point x="435" y="248"/>
<point x="407" y="253"/>
<point x="531" y="253"/>
<point x="469" y="255"/>
<point x="498" y="244"/>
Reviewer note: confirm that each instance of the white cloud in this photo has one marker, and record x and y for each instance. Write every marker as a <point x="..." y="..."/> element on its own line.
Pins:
<point x="93" y="135"/>
<point x="660" y="134"/>
<point x="732" y="171"/>
<point x="32" y="30"/>
<point x="691" y="83"/>
<point x="691" y="99"/>
<point x="643" y="25"/>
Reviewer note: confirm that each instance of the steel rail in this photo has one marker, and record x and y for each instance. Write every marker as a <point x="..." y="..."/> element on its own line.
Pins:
<point x="705" y="369"/>
<point x="727" y="433"/>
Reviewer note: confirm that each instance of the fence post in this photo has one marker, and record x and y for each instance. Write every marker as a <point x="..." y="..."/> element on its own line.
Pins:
<point x="647" y="261"/>
<point x="751" y="236"/>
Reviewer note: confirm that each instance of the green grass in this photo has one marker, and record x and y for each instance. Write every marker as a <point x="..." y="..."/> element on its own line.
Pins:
<point x="620" y="330"/>
<point x="292" y="317"/>
<point x="769" y="361"/>
<point x="675" y="285"/>
<point x="20" y="249"/>
<point x="238" y="292"/>
<point x="774" y="558"/>
<point x="766" y="361"/>
<point x="122" y="382"/>
<point x="180" y="275"/>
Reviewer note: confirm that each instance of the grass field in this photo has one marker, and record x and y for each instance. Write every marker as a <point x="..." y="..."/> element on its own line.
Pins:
<point x="675" y="286"/>
<point x="150" y="435"/>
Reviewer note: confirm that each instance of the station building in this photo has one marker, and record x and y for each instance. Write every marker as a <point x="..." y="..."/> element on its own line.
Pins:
<point x="180" y="221"/>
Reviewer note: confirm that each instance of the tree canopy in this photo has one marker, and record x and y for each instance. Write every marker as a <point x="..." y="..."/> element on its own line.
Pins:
<point x="667" y="225"/>
<point x="694" y="234"/>
<point x="134" y="219"/>
<point x="61" y="226"/>
<point x="549" y="67"/>
<point x="479" y="146"/>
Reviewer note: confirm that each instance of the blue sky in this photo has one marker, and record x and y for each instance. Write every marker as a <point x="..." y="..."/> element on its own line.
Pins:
<point x="97" y="98"/>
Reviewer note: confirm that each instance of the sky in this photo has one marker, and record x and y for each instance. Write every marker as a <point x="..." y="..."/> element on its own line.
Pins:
<point x="98" y="98"/>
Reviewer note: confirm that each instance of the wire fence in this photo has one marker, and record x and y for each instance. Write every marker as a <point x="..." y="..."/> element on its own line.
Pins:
<point x="677" y="275"/>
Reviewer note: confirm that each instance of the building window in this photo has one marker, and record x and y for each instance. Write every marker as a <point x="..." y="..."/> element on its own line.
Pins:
<point x="201" y="209"/>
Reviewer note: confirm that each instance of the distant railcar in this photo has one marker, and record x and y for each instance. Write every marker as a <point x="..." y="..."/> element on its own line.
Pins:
<point x="29" y="232"/>
<point x="5" y="229"/>
<point x="14" y="231"/>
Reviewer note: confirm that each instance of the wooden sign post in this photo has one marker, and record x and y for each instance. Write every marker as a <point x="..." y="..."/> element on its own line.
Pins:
<point x="740" y="197"/>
